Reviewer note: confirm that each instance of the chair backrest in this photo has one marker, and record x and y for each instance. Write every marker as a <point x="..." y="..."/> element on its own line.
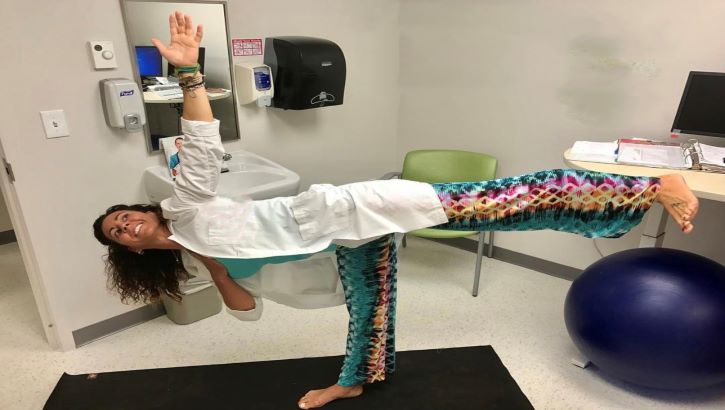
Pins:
<point x="434" y="166"/>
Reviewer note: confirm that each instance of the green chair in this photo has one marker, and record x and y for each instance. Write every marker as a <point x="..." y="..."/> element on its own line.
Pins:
<point x="435" y="166"/>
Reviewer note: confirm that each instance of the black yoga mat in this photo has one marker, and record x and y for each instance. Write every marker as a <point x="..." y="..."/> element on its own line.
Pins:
<point x="460" y="378"/>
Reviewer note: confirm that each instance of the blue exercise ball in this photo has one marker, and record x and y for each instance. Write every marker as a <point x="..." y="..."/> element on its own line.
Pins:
<point x="652" y="316"/>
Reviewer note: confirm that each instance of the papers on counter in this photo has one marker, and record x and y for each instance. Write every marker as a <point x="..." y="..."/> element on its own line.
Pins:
<point x="712" y="155"/>
<point x="653" y="154"/>
<point x="594" y="151"/>
<point x="661" y="154"/>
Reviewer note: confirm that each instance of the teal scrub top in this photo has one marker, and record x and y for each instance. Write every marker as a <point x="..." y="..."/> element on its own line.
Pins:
<point x="244" y="268"/>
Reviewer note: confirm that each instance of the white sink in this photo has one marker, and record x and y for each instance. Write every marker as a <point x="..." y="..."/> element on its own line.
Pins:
<point x="249" y="176"/>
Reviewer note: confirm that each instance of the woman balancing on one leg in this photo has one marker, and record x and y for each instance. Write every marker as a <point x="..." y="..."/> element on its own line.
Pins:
<point x="587" y="203"/>
<point x="149" y="246"/>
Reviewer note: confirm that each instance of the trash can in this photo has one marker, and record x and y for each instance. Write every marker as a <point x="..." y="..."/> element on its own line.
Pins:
<point x="200" y="300"/>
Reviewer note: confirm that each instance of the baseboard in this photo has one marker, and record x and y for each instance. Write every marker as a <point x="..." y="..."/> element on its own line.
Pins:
<point x="516" y="258"/>
<point x="117" y="323"/>
<point x="7" y="237"/>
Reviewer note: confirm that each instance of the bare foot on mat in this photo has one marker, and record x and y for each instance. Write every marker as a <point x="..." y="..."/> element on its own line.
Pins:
<point x="318" y="398"/>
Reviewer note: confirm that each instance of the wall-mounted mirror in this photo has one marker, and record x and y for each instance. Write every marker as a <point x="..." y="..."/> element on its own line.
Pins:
<point x="145" y="20"/>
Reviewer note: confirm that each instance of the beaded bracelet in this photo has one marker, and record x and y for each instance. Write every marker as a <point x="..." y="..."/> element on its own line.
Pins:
<point x="191" y="83"/>
<point x="193" y="87"/>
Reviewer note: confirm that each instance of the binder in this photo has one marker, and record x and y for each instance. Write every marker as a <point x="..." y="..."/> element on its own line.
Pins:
<point x="691" y="155"/>
<point x="704" y="157"/>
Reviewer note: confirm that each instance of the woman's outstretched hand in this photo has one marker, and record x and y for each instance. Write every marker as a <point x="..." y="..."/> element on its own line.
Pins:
<point x="183" y="49"/>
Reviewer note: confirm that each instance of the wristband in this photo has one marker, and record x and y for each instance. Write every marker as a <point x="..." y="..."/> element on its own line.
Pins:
<point x="190" y="69"/>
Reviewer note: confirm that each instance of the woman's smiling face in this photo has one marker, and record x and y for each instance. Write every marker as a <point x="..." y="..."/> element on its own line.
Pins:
<point x="131" y="228"/>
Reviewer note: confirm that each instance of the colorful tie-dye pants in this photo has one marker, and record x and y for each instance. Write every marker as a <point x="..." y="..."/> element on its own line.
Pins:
<point x="587" y="203"/>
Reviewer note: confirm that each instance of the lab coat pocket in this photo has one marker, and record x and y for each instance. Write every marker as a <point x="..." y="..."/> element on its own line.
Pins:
<point x="322" y="210"/>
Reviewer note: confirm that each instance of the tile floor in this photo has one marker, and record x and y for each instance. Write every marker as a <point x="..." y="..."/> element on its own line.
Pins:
<point x="518" y="312"/>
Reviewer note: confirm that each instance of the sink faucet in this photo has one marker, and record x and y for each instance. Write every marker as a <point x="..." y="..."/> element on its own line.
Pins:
<point x="226" y="157"/>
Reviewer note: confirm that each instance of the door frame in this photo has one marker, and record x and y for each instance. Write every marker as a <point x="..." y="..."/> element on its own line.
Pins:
<point x="28" y="254"/>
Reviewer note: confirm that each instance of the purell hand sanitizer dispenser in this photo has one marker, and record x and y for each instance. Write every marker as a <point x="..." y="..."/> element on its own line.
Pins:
<point x="254" y="83"/>
<point x="308" y="72"/>
<point x="122" y="104"/>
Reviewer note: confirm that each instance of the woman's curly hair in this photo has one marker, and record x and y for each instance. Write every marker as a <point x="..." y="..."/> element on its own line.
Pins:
<point x="140" y="278"/>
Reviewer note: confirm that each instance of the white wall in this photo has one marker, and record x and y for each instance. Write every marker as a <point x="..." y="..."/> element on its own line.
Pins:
<point x="522" y="80"/>
<point x="64" y="184"/>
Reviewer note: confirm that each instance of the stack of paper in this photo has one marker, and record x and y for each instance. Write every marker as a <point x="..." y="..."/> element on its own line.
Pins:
<point x="594" y="151"/>
<point x="652" y="154"/>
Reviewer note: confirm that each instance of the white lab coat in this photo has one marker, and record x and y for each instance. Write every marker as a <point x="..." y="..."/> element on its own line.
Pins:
<point x="348" y="215"/>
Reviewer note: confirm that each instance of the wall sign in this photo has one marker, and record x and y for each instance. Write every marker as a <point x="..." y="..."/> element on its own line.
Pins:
<point x="247" y="46"/>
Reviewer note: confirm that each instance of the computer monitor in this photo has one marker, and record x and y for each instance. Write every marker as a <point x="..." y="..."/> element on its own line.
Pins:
<point x="202" y="52"/>
<point x="702" y="107"/>
<point x="148" y="59"/>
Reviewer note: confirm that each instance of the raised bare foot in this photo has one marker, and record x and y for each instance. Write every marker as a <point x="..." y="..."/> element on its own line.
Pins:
<point x="678" y="200"/>
<point x="318" y="398"/>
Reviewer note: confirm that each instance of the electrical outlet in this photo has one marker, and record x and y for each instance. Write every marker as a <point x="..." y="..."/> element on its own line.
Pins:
<point x="55" y="123"/>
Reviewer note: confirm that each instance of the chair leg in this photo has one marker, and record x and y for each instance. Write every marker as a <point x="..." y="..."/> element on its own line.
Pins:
<point x="405" y="243"/>
<point x="479" y="257"/>
<point x="490" y="245"/>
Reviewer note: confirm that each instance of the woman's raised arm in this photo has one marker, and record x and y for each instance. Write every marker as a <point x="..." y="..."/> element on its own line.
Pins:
<point x="201" y="156"/>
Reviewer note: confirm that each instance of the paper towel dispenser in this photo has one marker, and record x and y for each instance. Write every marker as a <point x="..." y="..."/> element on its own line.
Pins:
<point x="307" y="72"/>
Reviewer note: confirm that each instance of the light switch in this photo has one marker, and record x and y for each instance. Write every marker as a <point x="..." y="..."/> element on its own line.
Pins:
<point x="55" y="123"/>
